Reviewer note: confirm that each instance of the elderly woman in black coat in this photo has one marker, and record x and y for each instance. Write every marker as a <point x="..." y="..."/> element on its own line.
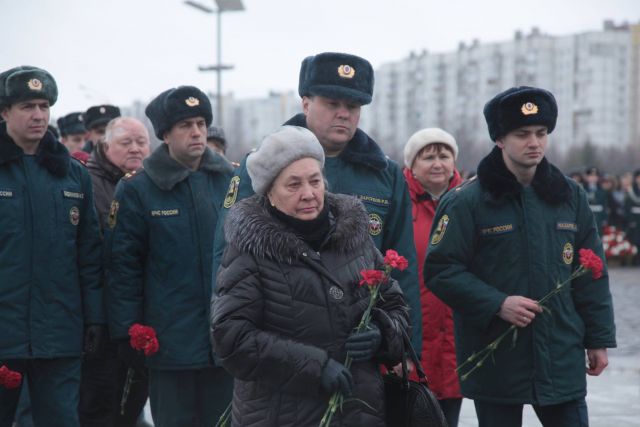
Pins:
<point x="288" y="296"/>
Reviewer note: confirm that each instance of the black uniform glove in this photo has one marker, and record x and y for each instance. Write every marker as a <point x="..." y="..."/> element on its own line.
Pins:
<point x="132" y="358"/>
<point x="336" y="376"/>
<point x="95" y="337"/>
<point x="364" y="345"/>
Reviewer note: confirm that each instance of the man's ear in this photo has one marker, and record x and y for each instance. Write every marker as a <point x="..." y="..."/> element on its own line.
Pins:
<point x="305" y="104"/>
<point x="4" y="113"/>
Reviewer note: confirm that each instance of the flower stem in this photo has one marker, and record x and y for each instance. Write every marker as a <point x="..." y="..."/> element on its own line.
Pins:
<point x="127" y="388"/>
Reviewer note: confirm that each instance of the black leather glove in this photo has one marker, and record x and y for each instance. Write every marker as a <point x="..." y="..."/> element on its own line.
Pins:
<point x="336" y="376"/>
<point x="132" y="358"/>
<point x="364" y="345"/>
<point x="95" y="337"/>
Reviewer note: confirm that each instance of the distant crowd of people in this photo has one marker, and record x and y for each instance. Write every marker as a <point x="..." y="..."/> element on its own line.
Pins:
<point x="615" y="202"/>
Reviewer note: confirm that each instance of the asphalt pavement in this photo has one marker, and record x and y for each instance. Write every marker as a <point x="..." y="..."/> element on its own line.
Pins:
<point x="613" y="397"/>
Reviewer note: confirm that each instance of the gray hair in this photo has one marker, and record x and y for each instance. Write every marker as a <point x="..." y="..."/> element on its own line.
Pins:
<point x="115" y="123"/>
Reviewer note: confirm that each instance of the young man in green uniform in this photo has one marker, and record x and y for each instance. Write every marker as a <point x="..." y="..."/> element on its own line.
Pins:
<point x="501" y="242"/>
<point x="50" y="292"/>
<point x="159" y="241"/>
<point x="334" y="87"/>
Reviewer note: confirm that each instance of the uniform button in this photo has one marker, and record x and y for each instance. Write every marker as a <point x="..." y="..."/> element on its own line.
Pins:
<point x="304" y="254"/>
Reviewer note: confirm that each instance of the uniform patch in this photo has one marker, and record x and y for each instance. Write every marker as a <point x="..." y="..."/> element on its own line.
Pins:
<point x="6" y="194"/>
<point x="374" y="200"/>
<point x="438" y="234"/>
<point x="569" y="226"/>
<point x="164" y="212"/>
<point x="232" y="192"/>
<point x="567" y="253"/>
<point x="375" y="224"/>
<point x="72" y="195"/>
<point x="336" y="293"/>
<point x="113" y="213"/>
<point x="130" y="175"/>
<point x="74" y="215"/>
<point x="497" y="229"/>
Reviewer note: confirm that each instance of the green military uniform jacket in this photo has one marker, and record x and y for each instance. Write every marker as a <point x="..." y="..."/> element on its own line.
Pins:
<point x="361" y="170"/>
<point x="49" y="252"/>
<point x="159" y="241"/>
<point x="493" y="238"/>
<point x="599" y="204"/>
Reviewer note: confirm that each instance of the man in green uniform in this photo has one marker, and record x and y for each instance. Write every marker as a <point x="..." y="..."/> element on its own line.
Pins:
<point x="334" y="87"/>
<point x="50" y="293"/>
<point x="501" y="242"/>
<point x="159" y="241"/>
<point x="597" y="196"/>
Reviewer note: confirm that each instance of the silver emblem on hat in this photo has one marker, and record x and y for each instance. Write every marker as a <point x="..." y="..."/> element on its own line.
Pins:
<point x="192" y="101"/>
<point x="336" y="293"/>
<point x="34" y="84"/>
<point x="103" y="110"/>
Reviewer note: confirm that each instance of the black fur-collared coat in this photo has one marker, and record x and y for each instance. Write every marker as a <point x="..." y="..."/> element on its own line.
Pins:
<point x="283" y="309"/>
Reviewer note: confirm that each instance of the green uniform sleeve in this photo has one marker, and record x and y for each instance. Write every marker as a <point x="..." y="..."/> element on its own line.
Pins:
<point x="89" y="262"/>
<point x="234" y="195"/>
<point x="447" y="269"/>
<point x="592" y="298"/>
<point x="398" y="235"/>
<point x="126" y="241"/>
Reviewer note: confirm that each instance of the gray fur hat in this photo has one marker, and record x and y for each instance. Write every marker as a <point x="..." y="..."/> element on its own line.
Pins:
<point x="277" y="151"/>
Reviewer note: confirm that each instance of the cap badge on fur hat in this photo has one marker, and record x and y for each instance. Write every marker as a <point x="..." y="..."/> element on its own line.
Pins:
<point x="103" y="110"/>
<point x="346" y="71"/>
<point x="192" y="101"/>
<point x="35" y="84"/>
<point x="529" y="108"/>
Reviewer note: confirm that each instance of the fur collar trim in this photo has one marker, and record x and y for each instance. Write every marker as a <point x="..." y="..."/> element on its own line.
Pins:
<point x="499" y="183"/>
<point x="252" y="229"/>
<point x="360" y="150"/>
<point x="51" y="154"/>
<point x="166" y="172"/>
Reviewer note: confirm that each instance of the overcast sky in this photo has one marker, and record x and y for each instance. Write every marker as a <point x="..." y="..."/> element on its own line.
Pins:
<point x="116" y="51"/>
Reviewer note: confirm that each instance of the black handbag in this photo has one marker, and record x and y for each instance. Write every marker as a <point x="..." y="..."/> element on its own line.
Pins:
<point x="410" y="403"/>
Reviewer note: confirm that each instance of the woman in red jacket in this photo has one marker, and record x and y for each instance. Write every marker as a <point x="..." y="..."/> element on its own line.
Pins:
<point x="429" y="158"/>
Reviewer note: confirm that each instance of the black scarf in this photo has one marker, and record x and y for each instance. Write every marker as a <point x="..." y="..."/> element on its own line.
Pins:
<point x="314" y="232"/>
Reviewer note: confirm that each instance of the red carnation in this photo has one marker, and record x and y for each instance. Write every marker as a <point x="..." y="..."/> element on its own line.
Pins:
<point x="371" y="277"/>
<point x="590" y="261"/>
<point x="9" y="378"/>
<point x="394" y="260"/>
<point x="144" y="338"/>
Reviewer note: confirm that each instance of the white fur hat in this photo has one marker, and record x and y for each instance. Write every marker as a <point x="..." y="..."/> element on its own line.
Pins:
<point x="425" y="137"/>
<point x="277" y="151"/>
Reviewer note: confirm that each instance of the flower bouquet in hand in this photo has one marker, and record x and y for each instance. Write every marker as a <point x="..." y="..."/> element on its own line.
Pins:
<point x="9" y="379"/>
<point x="142" y="339"/>
<point x="589" y="261"/>
<point x="373" y="279"/>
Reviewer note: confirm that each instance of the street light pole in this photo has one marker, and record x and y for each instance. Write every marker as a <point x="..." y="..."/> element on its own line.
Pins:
<point x="223" y="6"/>
<point x="219" y="72"/>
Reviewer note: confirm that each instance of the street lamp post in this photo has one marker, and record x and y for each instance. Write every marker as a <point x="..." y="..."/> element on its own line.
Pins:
<point x="222" y="6"/>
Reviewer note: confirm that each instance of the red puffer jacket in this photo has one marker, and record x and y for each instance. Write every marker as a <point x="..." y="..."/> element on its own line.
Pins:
<point x="438" y="347"/>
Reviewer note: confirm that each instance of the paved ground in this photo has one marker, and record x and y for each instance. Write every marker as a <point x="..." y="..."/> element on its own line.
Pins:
<point x="614" y="397"/>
